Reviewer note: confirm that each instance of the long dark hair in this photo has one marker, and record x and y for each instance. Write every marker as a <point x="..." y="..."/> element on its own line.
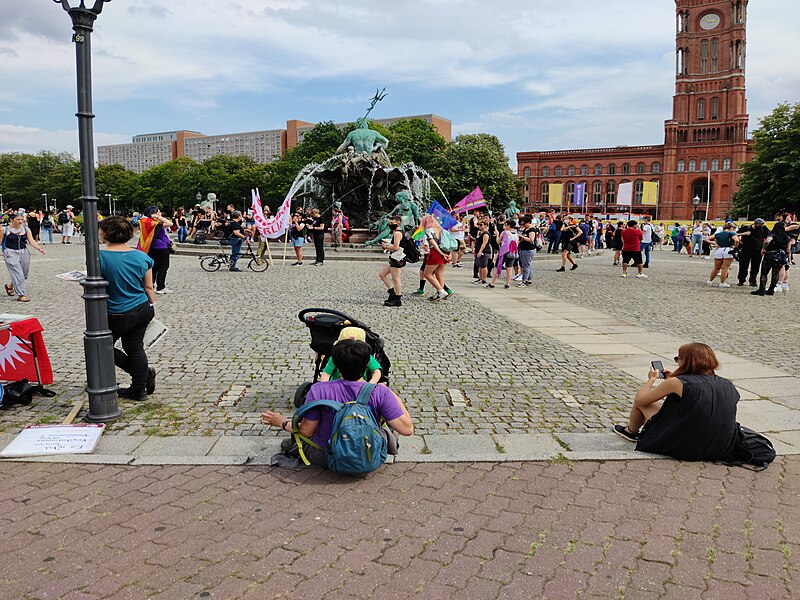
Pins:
<point x="696" y="358"/>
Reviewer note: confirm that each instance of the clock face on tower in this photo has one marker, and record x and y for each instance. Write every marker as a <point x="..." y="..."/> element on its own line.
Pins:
<point x="710" y="21"/>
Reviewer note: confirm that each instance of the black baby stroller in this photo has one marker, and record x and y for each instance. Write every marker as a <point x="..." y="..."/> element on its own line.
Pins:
<point x="325" y="325"/>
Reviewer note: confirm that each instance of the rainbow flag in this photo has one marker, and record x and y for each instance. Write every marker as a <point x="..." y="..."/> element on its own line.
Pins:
<point x="471" y="201"/>
<point x="418" y="234"/>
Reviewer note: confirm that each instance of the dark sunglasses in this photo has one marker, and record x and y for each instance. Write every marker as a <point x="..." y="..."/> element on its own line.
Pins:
<point x="676" y="358"/>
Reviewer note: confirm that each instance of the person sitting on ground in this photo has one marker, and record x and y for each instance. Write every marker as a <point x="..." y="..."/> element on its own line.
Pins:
<point x="691" y="415"/>
<point x="352" y="359"/>
<point x="373" y="371"/>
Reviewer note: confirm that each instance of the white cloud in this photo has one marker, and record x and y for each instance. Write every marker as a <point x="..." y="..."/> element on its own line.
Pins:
<point x="15" y="138"/>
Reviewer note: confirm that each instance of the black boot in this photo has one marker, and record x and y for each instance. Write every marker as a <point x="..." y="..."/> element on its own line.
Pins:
<point x="394" y="300"/>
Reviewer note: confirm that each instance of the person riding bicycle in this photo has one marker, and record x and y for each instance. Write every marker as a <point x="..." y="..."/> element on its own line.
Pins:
<point x="235" y="234"/>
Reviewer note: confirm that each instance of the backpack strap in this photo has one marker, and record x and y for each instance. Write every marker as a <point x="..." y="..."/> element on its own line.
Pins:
<point x="297" y="417"/>
<point x="364" y="393"/>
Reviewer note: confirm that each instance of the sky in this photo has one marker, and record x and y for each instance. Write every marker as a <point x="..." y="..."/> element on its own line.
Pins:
<point x="538" y="74"/>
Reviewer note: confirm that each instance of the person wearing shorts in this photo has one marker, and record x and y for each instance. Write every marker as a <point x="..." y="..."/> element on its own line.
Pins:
<point x="632" y="248"/>
<point x="570" y="232"/>
<point x="483" y="252"/>
<point x="723" y="255"/>
<point x="396" y="263"/>
<point x="298" y="235"/>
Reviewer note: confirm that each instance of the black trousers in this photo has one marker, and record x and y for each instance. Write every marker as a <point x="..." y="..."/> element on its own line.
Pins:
<point x="129" y="327"/>
<point x="160" y="258"/>
<point x="766" y="265"/>
<point x="752" y="261"/>
<point x="319" y="248"/>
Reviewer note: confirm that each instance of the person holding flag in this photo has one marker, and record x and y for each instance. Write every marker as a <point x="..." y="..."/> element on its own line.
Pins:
<point x="154" y="241"/>
<point x="437" y="259"/>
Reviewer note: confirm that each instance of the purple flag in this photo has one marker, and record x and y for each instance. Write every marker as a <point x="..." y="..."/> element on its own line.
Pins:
<point x="580" y="188"/>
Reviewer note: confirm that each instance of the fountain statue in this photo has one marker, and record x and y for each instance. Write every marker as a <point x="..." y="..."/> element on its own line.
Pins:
<point x="512" y="212"/>
<point x="362" y="181"/>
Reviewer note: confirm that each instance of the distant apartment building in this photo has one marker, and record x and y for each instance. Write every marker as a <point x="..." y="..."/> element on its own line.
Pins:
<point x="150" y="149"/>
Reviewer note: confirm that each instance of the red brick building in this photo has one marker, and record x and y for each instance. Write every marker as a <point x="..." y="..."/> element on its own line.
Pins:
<point x="707" y="133"/>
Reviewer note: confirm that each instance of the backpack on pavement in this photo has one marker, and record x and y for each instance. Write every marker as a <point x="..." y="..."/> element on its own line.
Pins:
<point x="752" y="448"/>
<point x="356" y="446"/>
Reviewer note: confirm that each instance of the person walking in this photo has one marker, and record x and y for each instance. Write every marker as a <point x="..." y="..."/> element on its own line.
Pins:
<point x="131" y="304"/>
<point x="570" y="232"/>
<point x="647" y="240"/>
<point x="317" y="228"/>
<point x="723" y="255"/>
<point x="483" y="252"/>
<point x="154" y="241"/>
<point x="437" y="258"/>
<point x="618" y="242"/>
<point x="527" y="249"/>
<point x="66" y="222"/>
<point x="632" y="248"/>
<point x="15" y="238"/>
<point x="554" y="234"/>
<point x="396" y="263"/>
<point x="508" y="241"/>
<point x="697" y="239"/>
<point x="47" y="228"/>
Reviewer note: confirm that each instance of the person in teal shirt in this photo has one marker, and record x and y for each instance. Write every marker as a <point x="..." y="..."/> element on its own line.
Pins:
<point x="373" y="371"/>
<point x="725" y="240"/>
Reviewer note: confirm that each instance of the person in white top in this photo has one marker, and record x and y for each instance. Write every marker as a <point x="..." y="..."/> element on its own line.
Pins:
<point x="697" y="238"/>
<point x="457" y="231"/>
<point x="647" y="240"/>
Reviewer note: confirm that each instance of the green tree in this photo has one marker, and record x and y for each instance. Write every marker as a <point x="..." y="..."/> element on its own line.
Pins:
<point x="414" y="140"/>
<point x="169" y="185"/>
<point x="24" y="178"/>
<point x="771" y="181"/>
<point x="477" y="159"/>
<point x="120" y="183"/>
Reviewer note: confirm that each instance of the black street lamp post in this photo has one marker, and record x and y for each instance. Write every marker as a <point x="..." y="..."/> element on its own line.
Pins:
<point x="98" y="344"/>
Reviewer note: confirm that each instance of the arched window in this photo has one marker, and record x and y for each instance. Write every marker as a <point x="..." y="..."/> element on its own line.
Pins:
<point x="612" y="169"/>
<point x="597" y="192"/>
<point x="715" y="164"/>
<point x="570" y="192"/>
<point x="570" y="171"/>
<point x="638" y="190"/>
<point x="714" y="55"/>
<point x="545" y="171"/>
<point x="640" y="168"/>
<point x="726" y="164"/>
<point x="585" y="170"/>
<point x="701" y="109"/>
<point x="714" y="108"/>
<point x="598" y="169"/>
<point x="656" y="167"/>
<point x="681" y="166"/>
<point x="626" y="168"/>
<point x="692" y="165"/>
<point x="545" y="193"/>
<point x="704" y="165"/>
<point x="526" y="172"/>
<point x="704" y="56"/>
<point x="611" y="192"/>
<point x="558" y="171"/>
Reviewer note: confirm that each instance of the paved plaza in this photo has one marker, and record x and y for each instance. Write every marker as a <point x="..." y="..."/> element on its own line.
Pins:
<point x="511" y="487"/>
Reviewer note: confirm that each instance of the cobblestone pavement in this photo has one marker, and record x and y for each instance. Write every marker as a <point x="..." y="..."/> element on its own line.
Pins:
<point x="228" y="329"/>
<point x="637" y="530"/>
<point x="675" y="300"/>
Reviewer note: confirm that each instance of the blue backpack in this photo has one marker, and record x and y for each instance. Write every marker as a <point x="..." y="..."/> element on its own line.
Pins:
<point x="356" y="446"/>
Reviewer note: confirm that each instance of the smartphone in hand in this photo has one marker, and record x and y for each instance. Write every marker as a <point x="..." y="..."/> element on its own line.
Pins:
<point x="657" y="365"/>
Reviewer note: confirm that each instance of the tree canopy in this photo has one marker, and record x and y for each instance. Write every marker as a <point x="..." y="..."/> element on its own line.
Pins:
<point x="771" y="181"/>
<point x="458" y="167"/>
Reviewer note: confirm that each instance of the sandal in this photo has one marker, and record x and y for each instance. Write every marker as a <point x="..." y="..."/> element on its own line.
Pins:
<point x="24" y="299"/>
<point x="9" y="289"/>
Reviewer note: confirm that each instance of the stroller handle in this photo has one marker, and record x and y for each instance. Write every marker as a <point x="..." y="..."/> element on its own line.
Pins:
<point x="355" y="322"/>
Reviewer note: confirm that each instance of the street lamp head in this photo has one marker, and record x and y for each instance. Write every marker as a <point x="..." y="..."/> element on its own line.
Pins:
<point x="98" y="5"/>
<point x="696" y="200"/>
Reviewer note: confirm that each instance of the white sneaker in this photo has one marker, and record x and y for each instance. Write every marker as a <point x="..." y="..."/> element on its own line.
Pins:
<point x="778" y="288"/>
<point x="164" y="291"/>
<point x="785" y="287"/>
<point x="724" y="285"/>
<point x="709" y="283"/>
<point x="517" y="278"/>
<point x="641" y="276"/>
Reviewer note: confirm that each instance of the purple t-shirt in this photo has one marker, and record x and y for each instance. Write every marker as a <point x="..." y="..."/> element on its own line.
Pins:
<point x="161" y="240"/>
<point x="382" y="402"/>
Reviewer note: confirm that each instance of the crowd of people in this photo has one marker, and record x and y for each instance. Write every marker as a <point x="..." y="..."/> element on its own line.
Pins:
<point x="503" y="248"/>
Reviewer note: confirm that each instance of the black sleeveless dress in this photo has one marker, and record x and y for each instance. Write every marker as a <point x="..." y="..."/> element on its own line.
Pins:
<point x="700" y="425"/>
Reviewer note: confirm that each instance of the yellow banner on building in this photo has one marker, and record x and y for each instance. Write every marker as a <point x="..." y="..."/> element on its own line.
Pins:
<point x="650" y="193"/>
<point x="555" y="194"/>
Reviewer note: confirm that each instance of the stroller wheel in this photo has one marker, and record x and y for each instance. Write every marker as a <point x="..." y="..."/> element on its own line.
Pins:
<point x="301" y="393"/>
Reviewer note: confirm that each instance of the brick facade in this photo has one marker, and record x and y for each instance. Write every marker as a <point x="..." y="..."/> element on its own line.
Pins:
<point x="706" y="134"/>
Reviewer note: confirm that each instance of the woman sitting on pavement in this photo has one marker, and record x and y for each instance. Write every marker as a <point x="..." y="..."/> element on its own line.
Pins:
<point x="691" y="415"/>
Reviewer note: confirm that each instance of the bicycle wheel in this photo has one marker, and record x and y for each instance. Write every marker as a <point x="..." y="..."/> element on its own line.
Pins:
<point x="259" y="265"/>
<point x="210" y="263"/>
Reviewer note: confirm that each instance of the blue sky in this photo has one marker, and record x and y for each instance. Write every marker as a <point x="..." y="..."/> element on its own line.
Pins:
<point x="538" y="74"/>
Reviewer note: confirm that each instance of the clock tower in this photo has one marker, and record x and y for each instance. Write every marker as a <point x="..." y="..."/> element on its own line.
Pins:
<point x="706" y="139"/>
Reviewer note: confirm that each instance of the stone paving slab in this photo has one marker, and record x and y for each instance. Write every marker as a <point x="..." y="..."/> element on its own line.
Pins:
<point x="172" y="446"/>
<point x="528" y="446"/>
<point x="765" y="416"/>
<point x="182" y="459"/>
<point x="119" y="444"/>
<point x="771" y="386"/>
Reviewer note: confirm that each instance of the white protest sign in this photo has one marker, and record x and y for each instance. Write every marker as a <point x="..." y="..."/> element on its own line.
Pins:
<point x="42" y="440"/>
